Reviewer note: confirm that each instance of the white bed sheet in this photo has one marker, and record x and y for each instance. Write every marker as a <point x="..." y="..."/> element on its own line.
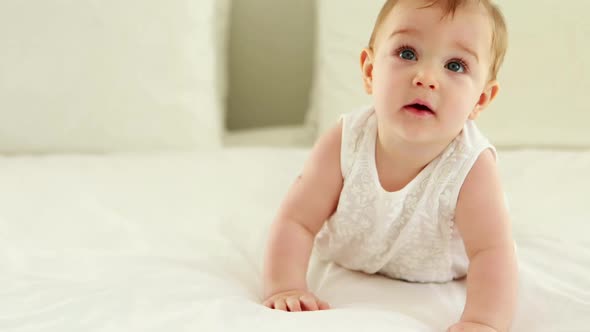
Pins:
<point x="174" y="242"/>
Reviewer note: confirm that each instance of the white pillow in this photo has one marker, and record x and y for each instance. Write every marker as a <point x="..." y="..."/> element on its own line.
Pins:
<point x="292" y="136"/>
<point x="99" y="76"/>
<point x="544" y="79"/>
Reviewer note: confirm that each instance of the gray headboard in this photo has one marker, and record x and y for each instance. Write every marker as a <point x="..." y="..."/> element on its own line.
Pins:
<point x="270" y="62"/>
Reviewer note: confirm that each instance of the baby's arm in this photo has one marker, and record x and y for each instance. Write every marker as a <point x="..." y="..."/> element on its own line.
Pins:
<point x="309" y="202"/>
<point x="482" y="220"/>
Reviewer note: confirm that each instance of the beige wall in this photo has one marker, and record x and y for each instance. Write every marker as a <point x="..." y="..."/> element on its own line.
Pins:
<point x="270" y="62"/>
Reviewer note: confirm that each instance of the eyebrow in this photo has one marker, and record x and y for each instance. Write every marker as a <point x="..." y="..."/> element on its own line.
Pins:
<point x="468" y="50"/>
<point x="408" y="31"/>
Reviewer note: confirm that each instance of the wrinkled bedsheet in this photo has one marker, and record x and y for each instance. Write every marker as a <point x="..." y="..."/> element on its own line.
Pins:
<point x="174" y="241"/>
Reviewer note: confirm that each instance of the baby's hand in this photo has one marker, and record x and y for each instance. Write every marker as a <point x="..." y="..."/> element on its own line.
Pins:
<point x="295" y="300"/>
<point x="470" y="327"/>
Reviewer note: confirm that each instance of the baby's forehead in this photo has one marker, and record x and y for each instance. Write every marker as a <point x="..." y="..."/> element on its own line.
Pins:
<point x="468" y="24"/>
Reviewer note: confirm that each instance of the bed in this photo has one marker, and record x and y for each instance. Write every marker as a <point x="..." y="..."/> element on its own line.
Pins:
<point x="124" y="206"/>
<point x="173" y="242"/>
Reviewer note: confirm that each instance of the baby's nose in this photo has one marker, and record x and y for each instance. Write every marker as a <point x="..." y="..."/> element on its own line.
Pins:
<point x="426" y="80"/>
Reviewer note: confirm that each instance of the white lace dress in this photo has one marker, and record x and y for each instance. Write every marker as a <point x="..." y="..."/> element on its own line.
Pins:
<point x="408" y="234"/>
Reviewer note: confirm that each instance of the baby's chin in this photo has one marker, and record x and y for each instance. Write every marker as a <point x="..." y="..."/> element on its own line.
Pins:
<point x="416" y="131"/>
<point x="407" y="133"/>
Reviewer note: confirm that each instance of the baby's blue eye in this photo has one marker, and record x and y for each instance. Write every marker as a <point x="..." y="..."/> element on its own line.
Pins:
<point x="455" y="66"/>
<point x="407" y="55"/>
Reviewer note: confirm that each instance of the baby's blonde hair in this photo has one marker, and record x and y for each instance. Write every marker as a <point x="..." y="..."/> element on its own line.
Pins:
<point x="499" y="30"/>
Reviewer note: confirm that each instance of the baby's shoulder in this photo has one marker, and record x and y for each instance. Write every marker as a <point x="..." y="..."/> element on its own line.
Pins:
<point x="472" y="136"/>
<point x="358" y="118"/>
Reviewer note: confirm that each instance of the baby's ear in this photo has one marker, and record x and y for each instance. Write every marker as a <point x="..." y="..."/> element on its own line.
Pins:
<point x="367" y="57"/>
<point x="488" y="94"/>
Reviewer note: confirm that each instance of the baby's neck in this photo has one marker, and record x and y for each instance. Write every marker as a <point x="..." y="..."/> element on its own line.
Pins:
<point x="398" y="162"/>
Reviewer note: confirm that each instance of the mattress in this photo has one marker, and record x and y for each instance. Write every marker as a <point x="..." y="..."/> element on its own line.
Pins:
<point x="174" y="242"/>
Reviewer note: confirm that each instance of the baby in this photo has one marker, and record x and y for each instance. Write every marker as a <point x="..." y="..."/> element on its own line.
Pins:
<point x="409" y="188"/>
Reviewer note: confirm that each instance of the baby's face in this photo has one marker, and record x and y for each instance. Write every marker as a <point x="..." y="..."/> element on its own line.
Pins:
<point x="421" y="58"/>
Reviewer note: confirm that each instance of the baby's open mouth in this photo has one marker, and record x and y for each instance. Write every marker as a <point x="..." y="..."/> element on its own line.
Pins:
<point x="420" y="107"/>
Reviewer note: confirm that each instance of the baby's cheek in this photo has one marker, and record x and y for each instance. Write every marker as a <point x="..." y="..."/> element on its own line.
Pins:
<point x="385" y="95"/>
<point x="385" y="85"/>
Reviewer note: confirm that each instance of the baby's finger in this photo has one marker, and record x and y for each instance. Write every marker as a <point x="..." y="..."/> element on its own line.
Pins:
<point x="308" y="303"/>
<point x="268" y="303"/>
<point x="323" y="305"/>
<point x="293" y="303"/>
<point x="280" y="304"/>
